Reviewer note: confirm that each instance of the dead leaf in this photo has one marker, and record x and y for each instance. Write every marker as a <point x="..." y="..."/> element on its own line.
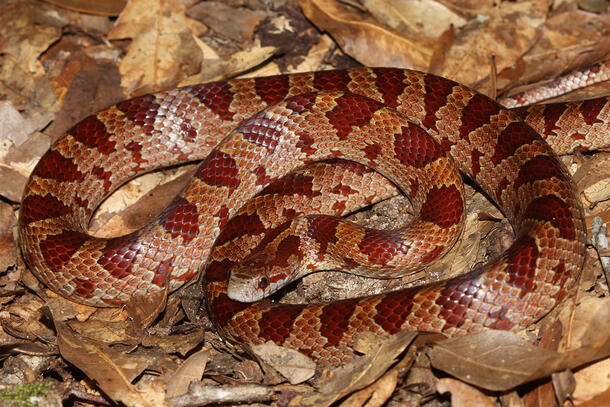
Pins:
<point x="375" y="395"/>
<point x="101" y="7"/>
<point x="568" y="40"/>
<point x="189" y="371"/>
<point x="507" y="32"/>
<point x="543" y="394"/>
<point x="100" y="366"/>
<point x="22" y="80"/>
<point x="293" y="365"/>
<point x="144" y="309"/>
<point x="216" y="14"/>
<point x="367" y="41"/>
<point x="462" y="394"/>
<point x="424" y="17"/>
<point x="500" y="360"/>
<point x="357" y="374"/>
<point x="219" y="69"/>
<point x="163" y="50"/>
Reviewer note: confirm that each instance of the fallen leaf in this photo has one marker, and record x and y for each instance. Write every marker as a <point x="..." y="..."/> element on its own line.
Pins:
<point x="189" y="371"/>
<point x="101" y="7"/>
<point x="367" y="41"/>
<point x="293" y="365"/>
<point x="98" y="365"/>
<point x="375" y="395"/>
<point x="507" y="32"/>
<point x="567" y="41"/>
<point x="463" y="394"/>
<point x="219" y="69"/>
<point x="425" y="17"/>
<point x="500" y="360"/>
<point x="359" y="373"/>
<point x="216" y="14"/>
<point x="163" y="50"/>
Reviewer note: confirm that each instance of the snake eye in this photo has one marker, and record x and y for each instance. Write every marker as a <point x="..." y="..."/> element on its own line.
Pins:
<point x="262" y="283"/>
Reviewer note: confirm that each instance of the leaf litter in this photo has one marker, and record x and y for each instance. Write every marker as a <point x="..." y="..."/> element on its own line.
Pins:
<point x="64" y="59"/>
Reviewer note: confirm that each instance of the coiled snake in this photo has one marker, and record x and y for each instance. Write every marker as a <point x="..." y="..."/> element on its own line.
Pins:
<point x="490" y="144"/>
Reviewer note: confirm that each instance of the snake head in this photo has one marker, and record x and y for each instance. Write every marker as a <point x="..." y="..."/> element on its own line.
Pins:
<point x="259" y="276"/>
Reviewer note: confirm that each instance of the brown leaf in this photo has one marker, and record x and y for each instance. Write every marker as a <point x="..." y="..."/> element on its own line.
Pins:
<point x="216" y="14"/>
<point x="463" y="394"/>
<point x="293" y="365"/>
<point x="100" y="365"/>
<point x="375" y="395"/>
<point x="507" y="32"/>
<point x="543" y="395"/>
<point x="88" y="86"/>
<point x="101" y="7"/>
<point x="189" y="371"/>
<point x="219" y="69"/>
<point x="428" y="18"/>
<point x="163" y="50"/>
<point x="145" y="308"/>
<point x="22" y="79"/>
<point x="357" y="374"/>
<point x="366" y="40"/>
<point x="500" y="360"/>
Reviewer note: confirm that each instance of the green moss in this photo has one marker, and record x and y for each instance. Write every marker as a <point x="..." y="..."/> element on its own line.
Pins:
<point x="20" y="395"/>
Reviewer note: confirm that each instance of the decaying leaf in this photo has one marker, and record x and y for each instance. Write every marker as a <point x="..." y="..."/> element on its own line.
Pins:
<point x="376" y="394"/>
<point x="218" y="69"/>
<point x="425" y="17"/>
<point x="102" y="7"/>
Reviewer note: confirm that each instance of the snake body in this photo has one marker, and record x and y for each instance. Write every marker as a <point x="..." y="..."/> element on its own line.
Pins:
<point x="490" y="144"/>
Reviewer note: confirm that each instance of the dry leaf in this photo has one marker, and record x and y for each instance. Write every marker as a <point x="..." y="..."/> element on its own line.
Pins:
<point x="425" y="17"/>
<point x="100" y="366"/>
<point x="219" y="69"/>
<point x="543" y="394"/>
<point x="163" y="50"/>
<point x="500" y="360"/>
<point x="463" y="395"/>
<point x="366" y="40"/>
<point x="507" y="32"/>
<point x="189" y="371"/>
<point x="293" y="365"/>
<point x="568" y="40"/>
<point x="143" y="309"/>
<point x="216" y="14"/>
<point x="101" y="7"/>
<point x="357" y="374"/>
<point x="375" y="395"/>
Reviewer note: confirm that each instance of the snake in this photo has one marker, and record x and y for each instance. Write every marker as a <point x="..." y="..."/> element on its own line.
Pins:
<point x="251" y="135"/>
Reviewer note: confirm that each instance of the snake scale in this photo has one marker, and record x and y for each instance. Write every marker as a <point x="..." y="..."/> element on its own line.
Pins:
<point x="279" y="124"/>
